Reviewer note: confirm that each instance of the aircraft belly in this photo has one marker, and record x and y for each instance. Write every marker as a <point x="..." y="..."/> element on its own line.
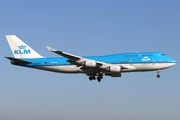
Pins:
<point x="127" y="67"/>
<point x="63" y="69"/>
<point x="152" y="66"/>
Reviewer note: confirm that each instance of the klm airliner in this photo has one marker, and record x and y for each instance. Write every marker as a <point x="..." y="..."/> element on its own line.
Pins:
<point x="93" y="66"/>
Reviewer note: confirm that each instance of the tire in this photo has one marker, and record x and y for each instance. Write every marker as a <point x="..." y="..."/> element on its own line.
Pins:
<point x="158" y="76"/>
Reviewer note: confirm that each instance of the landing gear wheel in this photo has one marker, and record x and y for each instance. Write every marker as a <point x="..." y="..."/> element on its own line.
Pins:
<point x="90" y="78"/>
<point x="98" y="79"/>
<point x="94" y="78"/>
<point x="158" y="76"/>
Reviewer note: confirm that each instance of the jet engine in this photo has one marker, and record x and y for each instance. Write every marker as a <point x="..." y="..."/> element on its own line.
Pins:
<point x="90" y="63"/>
<point x="114" y="68"/>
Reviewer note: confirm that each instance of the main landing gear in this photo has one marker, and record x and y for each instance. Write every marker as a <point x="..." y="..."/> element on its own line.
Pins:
<point x="93" y="77"/>
<point x="158" y="75"/>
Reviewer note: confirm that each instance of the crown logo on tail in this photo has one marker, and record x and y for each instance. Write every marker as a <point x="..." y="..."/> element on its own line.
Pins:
<point x="22" y="47"/>
<point x="22" y="50"/>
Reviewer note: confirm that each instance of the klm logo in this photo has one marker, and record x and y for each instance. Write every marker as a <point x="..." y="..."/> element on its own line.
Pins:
<point x="22" y="50"/>
<point x="146" y="59"/>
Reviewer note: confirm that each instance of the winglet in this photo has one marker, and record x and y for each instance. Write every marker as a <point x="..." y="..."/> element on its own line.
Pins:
<point x="50" y="48"/>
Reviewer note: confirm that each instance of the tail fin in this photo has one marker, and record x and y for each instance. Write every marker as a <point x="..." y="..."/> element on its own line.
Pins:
<point x="21" y="49"/>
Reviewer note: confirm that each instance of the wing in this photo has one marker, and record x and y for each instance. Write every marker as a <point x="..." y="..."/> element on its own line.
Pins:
<point x="72" y="58"/>
<point x="64" y="54"/>
<point x="89" y="66"/>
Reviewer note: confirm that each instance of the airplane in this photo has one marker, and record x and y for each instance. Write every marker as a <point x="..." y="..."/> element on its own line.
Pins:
<point x="93" y="66"/>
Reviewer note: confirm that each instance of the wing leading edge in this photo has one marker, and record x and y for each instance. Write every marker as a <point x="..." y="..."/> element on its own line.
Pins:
<point x="64" y="54"/>
<point x="72" y="58"/>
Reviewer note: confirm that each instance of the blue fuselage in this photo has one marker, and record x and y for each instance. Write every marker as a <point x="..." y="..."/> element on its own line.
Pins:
<point x="123" y="58"/>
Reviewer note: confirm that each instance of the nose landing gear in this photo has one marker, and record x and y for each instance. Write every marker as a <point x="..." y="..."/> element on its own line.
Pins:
<point x="158" y="75"/>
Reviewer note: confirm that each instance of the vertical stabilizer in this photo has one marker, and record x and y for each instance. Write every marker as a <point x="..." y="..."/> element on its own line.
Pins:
<point x="21" y="49"/>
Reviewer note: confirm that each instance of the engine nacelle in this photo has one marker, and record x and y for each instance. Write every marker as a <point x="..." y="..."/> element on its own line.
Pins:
<point x="114" y="68"/>
<point x="90" y="63"/>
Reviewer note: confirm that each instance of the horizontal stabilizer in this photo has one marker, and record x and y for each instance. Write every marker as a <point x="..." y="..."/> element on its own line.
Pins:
<point x="18" y="61"/>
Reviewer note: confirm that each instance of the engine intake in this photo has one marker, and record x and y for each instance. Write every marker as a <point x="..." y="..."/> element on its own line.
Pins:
<point x="114" y="68"/>
<point x="90" y="63"/>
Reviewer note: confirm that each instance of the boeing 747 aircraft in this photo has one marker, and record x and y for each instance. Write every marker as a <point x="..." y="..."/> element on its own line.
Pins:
<point x="93" y="66"/>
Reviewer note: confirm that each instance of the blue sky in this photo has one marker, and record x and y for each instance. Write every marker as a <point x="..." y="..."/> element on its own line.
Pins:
<point x="94" y="27"/>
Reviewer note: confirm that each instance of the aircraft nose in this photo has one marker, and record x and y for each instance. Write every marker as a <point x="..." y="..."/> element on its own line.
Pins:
<point x="174" y="61"/>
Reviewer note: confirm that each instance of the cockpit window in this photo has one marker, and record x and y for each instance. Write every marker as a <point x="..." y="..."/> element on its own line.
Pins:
<point x="163" y="54"/>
